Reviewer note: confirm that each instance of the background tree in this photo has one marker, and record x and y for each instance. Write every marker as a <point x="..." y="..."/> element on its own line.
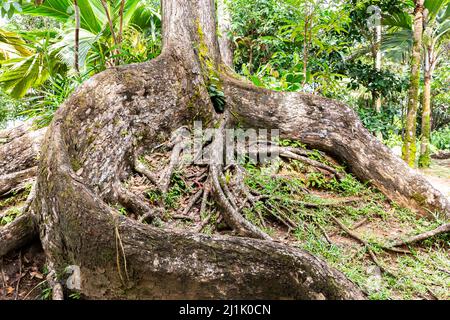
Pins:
<point x="435" y="39"/>
<point x="409" y="145"/>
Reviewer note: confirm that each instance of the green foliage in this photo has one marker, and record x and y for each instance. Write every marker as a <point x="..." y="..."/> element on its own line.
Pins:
<point x="172" y="198"/>
<point x="9" y="216"/>
<point x="382" y="83"/>
<point x="441" y="138"/>
<point x="75" y="296"/>
<point x="388" y="121"/>
<point x="10" y="108"/>
<point x="47" y="99"/>
<point x="8" y="7"/>
<point x="46" y="294"/>
<point x="37" y="49"/>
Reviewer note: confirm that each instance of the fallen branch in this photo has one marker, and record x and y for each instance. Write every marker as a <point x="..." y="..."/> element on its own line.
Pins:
<point x="363" y="242"/>
<point x="423" y="236"/>
<point x="142" y="169"/>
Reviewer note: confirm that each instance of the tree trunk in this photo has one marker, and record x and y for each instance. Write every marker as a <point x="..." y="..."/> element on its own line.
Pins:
<point x="377" y="56"/>
<point x="225" y="43"/>
<point x="425" y="152"/>
<point x="377" y="62"/>
<point x="91" y="146"/>
<point x="409" y="143"/>
<point x="77" y="37"/>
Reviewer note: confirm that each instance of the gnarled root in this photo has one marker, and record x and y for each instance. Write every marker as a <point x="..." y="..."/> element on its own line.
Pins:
<point x="229" y="208"/>
<point x="334" y="128"/>
<point x="17" y="233"/>
<point x="423" y="236"/>
<point x="135" y="203"/>
<point x="17" y="181"/>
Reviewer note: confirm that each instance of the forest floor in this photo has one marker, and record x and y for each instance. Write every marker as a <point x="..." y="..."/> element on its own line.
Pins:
<point x="349" y="224"/>
<point x="439" y="175"/>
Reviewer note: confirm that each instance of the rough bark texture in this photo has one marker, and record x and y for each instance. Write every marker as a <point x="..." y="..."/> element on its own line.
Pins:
<point x="425" y="152"/>
<point x="19" y="148"/>
<point x="333" y="127"/>
<point x="91" y="147"/>
<point x="17" y="234"/>
<point x="409" y="143"/>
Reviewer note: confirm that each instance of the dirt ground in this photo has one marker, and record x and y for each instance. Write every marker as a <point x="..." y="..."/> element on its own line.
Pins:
<point x="22" y="274"/>
<point x="439" y="175"/>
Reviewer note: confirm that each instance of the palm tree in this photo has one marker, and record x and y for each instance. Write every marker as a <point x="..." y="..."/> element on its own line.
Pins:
<point x="30" y="66"/>
<point x="77" y="36"/>
<point x="409" y="144"/>
<point x="435" y="30"/>
<point x="436" y="36"/>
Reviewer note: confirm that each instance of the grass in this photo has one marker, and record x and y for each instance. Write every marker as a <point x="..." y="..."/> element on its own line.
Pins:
<point x="171" y="199"/>
<point x="422" y="274"/>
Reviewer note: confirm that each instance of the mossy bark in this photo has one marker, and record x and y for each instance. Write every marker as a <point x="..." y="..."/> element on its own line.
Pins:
<point x="431" y="59"/>
<point x="425" y="152"/>
<point x="409" y="144"/>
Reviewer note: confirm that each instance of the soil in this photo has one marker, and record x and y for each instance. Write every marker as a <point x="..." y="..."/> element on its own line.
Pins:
<point x="22" y="274"/>
<point x="439" y="175"/>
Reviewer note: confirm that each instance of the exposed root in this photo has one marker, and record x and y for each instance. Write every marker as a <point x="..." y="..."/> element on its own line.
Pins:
<point x="142" y="169"/>
<point x="229" y="209"/>
<point x="336" y="203"/>
<point x="58" y="292"/>
<point x="203" y="206"/>
<point x="233" y="218"/>
<point x="423" y="236"/>
<point x="57" y="288"/>
<point x="16" y="181"/>
<point x="17" y="234"/>
<point x="135" y="203"/>
<point x="285" y="153"/>
<point x="363" y="242"/>
<point x="191" y="204"/>
<point x="179" y="143"/>
<point x="30" y="199"/>
<point x="206" y="193"/>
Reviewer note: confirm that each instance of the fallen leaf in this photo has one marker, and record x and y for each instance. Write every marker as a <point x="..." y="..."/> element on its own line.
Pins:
<point x="36" y="274"/>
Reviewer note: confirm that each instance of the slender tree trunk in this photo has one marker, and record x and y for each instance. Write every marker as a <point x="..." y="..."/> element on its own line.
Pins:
<point x="121" y="12"/>
<point x="409" y="143"/>
<point x="77" y="36"/>
<point x="425" y="153"/>
<point x="377" y="59"/>
<point x="225" y="43"/>
<point x="305" y="51"/>
<point x="377" y="63"/>
<point x="111" y="28"/>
